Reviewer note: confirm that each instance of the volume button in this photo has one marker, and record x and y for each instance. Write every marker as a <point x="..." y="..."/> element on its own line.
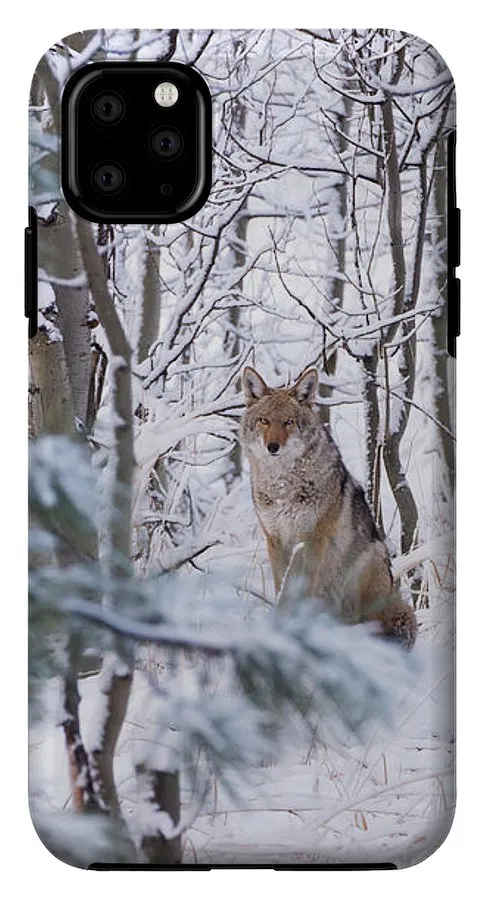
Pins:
<point x="456" y="237"/>
<point x="456" y="295"/>
<point x="28" y="272"/>
<point x="453" y="315"/>
<point x="31" y="286"/>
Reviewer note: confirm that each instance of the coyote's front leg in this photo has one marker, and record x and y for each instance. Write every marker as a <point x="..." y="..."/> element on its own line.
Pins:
<point x="291" y="572"/>
<point x="279" y="559"/>
<point x="302" y="572"/>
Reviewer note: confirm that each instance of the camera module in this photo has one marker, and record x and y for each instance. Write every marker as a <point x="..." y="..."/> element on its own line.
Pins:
<point x="136" y="141"/>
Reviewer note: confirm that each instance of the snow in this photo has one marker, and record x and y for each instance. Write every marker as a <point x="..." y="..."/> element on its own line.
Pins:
<point x="53" y="461"/>
<point x="388" y="799"/>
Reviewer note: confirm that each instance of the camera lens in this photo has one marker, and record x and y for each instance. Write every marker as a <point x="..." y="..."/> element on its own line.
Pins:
<point x="166" y="143"/>
<point x="108" y="178"/>
<point x="108" y="108"/>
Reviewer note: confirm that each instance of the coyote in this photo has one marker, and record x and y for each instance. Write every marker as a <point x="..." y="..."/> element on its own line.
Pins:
<point x="320" y="534"/>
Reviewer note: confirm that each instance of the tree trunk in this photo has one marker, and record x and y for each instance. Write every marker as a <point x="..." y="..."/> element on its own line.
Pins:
<point x="165" y="797"/>
<point x="233" y="341"/>
<point x="391" y="451"/>
<point x="440" y="322"/>
<point x="59" y="249"/>
<point x="59" y="256"/>
<point x="372" y="445"/>
<point x="335" y="285"/>
<point x="150" y="314"/>
<point x="117" y="550"/>
<point x="84" y="797"/>
<point x="50" y="396"/>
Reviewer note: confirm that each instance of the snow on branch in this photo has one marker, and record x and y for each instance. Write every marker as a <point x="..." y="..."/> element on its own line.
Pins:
<point x="412" y="90"/>
<point x="304" y="660"/>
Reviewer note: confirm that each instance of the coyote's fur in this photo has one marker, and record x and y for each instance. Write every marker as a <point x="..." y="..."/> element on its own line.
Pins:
<point x="322" y="541"/>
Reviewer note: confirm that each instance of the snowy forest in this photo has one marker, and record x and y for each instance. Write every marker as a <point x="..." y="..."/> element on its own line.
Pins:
<point x="177" y="717"/>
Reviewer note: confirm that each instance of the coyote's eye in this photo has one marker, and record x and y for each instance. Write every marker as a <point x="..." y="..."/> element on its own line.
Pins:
<point x="289" y="422"/>
<point x="263" y="421"/>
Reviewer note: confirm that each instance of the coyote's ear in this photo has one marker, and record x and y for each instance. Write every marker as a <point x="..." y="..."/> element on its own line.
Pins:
<point x="254" y="386"/>
<point x="305" y="387"/>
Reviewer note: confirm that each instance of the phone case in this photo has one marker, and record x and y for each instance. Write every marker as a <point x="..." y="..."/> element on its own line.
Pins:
<point x="242" y="568"/>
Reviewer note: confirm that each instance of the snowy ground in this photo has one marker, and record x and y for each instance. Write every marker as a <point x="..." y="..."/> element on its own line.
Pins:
<point x="390" y="800"/>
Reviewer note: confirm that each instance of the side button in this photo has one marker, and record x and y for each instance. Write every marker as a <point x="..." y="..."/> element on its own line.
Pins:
<point x="31" y="286"/>
<point x="453" y="315"/>
<point x="455" y="238"/>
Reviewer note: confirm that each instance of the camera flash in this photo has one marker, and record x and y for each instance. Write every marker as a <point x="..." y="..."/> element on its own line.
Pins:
<point x="166" y="94"/>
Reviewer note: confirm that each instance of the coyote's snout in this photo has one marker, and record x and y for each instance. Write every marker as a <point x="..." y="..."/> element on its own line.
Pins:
<point x="320" y="534"/>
